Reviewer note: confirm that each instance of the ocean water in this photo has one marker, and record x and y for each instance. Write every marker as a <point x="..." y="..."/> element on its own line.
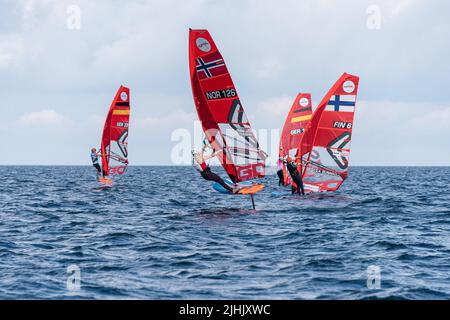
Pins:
<point x="163" y="233"/>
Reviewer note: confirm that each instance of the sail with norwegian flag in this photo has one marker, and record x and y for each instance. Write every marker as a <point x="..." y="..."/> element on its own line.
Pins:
<point x="114" y="148"/>
<point x="220" y="111"/>
<point x="294" y="127"/>
<point x="325" y="146"/>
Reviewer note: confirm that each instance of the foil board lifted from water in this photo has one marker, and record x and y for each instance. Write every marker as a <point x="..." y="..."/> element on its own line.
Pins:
<point x="244" y="188"/>
<point x="219" y="109"/>
<point x="114" y="148"/>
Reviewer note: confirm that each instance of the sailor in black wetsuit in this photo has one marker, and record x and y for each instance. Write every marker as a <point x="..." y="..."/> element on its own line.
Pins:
<point x="94" y="158"/>
<point x="295" y="175"/>
<point x="280" y="177"/>
<point x="199" y="163"/>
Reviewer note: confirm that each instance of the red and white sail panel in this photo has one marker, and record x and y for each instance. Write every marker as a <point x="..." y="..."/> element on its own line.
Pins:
<point x="115" y="134"/>
<point x="219" y="109"/>
<point x="325" y="147"/>
<point x="294" y="127"/>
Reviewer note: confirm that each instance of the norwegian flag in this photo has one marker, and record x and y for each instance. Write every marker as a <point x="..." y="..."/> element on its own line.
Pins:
<point x="210" y="66"/>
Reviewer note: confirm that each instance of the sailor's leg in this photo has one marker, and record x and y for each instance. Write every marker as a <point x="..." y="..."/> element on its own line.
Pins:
<point x="97" y="166"/>
<point x="299" y="183"/>
<point x="280" y="177"/>
<point x="302" y="188"/>
<point x="211" y="176"/>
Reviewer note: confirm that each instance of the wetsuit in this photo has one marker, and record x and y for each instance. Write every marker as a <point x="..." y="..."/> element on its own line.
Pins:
<point x="94" y="157"/>
<point x="280" y="173"/>
<point x="293" y="171"/>
<point x="207" y="174"/>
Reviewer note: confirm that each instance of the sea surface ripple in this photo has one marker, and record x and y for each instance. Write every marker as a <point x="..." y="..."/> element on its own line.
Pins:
<point x="164" y="233"/>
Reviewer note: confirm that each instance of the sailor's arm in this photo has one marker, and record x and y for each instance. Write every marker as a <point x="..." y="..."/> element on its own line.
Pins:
<point x="214" y="154"/>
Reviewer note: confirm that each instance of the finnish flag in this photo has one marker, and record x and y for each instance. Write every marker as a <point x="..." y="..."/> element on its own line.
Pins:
<point x="341" y="103"/>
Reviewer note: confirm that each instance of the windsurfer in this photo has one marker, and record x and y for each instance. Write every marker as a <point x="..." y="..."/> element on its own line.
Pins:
<point x="94" y="158"/>
<point x="291" y="165"/>
<point x="199" y="161"/>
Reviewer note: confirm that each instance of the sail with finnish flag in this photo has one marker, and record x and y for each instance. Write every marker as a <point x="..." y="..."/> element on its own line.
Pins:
<point x="325" y="146"/>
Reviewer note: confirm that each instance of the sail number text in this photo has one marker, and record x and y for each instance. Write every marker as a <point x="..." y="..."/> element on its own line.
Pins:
<point x="221" y="94"/>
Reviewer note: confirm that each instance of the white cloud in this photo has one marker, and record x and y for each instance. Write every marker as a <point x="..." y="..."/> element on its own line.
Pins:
<point x="11" y="49"/>
<point x="436" y="119"/>
<point x="275" y="106"/>
<point x="403" y="115"/>
<point x="30" y="11"/>
<point x="398" y="7"/>
<point x="96" y="119"/>
<point x="117" y="55"/>
<point x="174" y="119"/>
<point x="43" y="117"/>
<point x="269" y="68"/>
<point x="381" y="113"/>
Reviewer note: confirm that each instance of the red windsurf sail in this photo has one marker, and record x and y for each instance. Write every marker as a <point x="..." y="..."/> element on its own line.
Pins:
<point x="219" y="109"/>
<point x="325" y="146"/>
<point x="115" y="134"/>
<point x="294" y="127"/>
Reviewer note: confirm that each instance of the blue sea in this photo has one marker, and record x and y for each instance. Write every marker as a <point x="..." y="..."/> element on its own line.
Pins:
<point x="164" y="233"/>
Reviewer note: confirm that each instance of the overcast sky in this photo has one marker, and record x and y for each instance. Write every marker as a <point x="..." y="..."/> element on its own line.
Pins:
<point x="57" y="81"/>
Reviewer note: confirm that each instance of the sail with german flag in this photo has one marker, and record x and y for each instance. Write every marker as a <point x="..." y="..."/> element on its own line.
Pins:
<point x="294" y="127"/>
<point x="114" y="149"/>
